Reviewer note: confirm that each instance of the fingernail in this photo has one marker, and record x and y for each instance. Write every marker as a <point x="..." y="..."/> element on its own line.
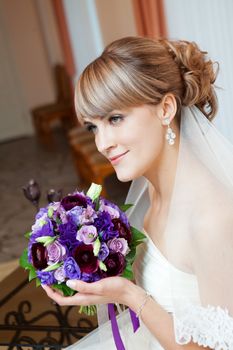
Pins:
<point x="42" y="285"/>
<point x="71" y="283"/>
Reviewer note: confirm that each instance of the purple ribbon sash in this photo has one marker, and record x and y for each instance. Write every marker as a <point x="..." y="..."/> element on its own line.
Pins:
<point x="115" y="329"/>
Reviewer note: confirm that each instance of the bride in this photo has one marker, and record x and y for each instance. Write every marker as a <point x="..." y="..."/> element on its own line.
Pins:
<point x="150" y="104"/>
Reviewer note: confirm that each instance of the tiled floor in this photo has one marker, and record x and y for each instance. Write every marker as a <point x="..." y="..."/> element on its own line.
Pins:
<point x="21" y="160"/>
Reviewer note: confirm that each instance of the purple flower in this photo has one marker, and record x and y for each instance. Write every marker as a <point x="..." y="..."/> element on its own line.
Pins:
<point x="113" y="212"/>
<point x="59" y="274"/>
<point x="85" y="258"/>
<point x="104" y="251"/>
<point x="123" y="217"/>
<point x="43" y="226"/>
<point x="73" y="200"/>
<point x="46" y="277"/>
<point x="72" y="269"/>
<point x="115" y="263"/>
<point x="68" y="233"/>
<point x="90" y="277"/>
<point x="105" y="226"/>
<point x="39" y="256"/>
<point x="119" y="245"/>
<point x="87" y="234"/>
<point x="56" y="252"/>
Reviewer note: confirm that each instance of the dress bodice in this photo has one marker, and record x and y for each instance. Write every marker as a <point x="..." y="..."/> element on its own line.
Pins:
<point x="154" y="272"/>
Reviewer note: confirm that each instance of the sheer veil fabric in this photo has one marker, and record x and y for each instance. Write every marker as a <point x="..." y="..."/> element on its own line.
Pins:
<point x="199" y="230"/>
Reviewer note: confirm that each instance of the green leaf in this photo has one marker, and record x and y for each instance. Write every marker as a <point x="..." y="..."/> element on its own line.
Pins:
<point x="94" y="191"/>
<point x="102" y="266"/>
<point x="32" y="273"/>
<point x="46" y="240"/>
<point x="50" y="212"/>
<point x="97" y="245"/>
<point x="52" y="267"/>
<point x="38" y="282"/>
<point x="128" y="272"/>
<point x="23" y="260"/>
<point x="138" y="236"/>
<point x="65" y="289"/>
<point x="89" y="310"/>
<point x="131" y="255"/>
<point x="125" y="207"/>
<point x="27" y="235"/>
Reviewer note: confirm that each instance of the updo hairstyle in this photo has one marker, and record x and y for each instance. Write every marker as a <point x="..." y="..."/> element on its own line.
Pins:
<point x="135" y="70"/>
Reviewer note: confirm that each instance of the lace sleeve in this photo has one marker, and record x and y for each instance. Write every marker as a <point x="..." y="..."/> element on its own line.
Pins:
<point x="207" y="326"/>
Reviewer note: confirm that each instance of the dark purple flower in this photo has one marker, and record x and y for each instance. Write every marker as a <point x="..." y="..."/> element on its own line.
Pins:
<point x="39" y="256"/>
<point x="54" y="196"/>
<point x="122" y="229"/>
<point x="90" y="277"/>
<point x="68" y="233"/>
<point x="46" y="277"/>
<point x="32" y="192"/>
<point x="74" y="200"/>
<point x="103" y="252"/>
<point x="71" y="269"/>
<point x="115" y="263"/>
<point x="85" y="258"/>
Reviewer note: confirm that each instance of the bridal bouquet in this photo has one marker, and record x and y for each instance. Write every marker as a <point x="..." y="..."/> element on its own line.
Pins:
<point x="81" y="236"/>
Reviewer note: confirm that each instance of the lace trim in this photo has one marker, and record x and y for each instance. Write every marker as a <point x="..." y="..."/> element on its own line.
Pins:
<point x="207" y="326"/>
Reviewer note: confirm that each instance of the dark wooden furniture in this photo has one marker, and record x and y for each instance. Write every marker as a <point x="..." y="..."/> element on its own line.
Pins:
<point x="91" y="165"/>
<point x="61" y="110"/>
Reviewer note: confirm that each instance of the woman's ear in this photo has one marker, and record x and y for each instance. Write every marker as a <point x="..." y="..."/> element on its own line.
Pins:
<point x="168" y="109"/>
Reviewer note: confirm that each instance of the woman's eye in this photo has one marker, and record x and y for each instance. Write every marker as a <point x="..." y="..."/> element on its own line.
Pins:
<point x="115" y="119"/>
<point x="91" y="128"/>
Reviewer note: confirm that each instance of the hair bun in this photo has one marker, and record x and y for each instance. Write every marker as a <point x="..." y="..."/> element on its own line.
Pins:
<point x="198" y="75"/>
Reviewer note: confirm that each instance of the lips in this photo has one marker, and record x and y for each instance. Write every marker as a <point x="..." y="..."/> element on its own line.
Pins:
<point x="118" y="156"/>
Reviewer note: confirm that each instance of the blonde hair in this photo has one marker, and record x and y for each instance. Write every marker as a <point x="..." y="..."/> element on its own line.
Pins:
<point x="134" y="70"/>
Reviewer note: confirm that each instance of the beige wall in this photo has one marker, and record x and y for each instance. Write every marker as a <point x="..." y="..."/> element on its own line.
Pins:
<point x="116" y="19"/>
<point x="27" y="75"/>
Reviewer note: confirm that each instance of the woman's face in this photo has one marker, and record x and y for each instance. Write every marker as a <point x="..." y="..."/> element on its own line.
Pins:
<point x="136" y="133"/>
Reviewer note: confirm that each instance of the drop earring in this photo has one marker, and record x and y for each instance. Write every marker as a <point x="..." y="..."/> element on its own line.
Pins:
<point x="170" y="134"/>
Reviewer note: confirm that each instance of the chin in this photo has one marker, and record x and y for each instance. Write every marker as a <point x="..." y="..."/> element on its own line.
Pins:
<point x="127" y="177"/>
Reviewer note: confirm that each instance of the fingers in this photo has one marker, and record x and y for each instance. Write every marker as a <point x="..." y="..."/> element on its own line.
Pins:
<point x="77" y="299"/>
<point x="84" y="287"/>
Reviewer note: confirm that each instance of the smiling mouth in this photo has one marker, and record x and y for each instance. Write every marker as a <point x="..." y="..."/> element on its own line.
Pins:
<point x="114" y="159"/>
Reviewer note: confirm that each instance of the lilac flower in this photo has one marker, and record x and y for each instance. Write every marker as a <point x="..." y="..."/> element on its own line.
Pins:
<point x="41" y="213"/>
<point x="59" y="274"/>
<point x="119" y="245"/>
<point x="46" y="277"/>
<point x="104" y="251"/>
<point x="90" y="277"/>
<point x="88" y="215"/>
<point x="75" y="214"/>
<point x="71" y="268"/>
<point x="68" y="233"/>
<point x="87" y="234"/>
<point x="56" y="252"/>
<point x="43" y="223"/>
<point x="114" y="213"/>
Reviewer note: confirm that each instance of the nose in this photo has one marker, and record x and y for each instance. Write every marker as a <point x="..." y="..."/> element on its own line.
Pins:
<point x="105" y="141"/>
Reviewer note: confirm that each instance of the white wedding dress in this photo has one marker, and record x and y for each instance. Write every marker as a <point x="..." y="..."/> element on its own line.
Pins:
<point x="152" y="271"/>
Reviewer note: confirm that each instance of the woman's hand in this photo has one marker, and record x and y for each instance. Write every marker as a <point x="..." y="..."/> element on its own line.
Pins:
<point x="108" y="290"/>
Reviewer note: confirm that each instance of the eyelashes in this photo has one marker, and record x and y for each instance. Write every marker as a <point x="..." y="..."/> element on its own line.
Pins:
<point x="114" y="119"/>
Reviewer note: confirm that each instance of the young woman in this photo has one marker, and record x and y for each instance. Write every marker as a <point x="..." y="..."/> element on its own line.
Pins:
<point x="150" y="104"/>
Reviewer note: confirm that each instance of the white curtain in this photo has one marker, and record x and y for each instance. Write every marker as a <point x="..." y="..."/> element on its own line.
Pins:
<point x="209" y="23"/>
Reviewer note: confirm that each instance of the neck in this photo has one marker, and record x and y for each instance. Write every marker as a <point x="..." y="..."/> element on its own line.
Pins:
<point x="162" y="174"/>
